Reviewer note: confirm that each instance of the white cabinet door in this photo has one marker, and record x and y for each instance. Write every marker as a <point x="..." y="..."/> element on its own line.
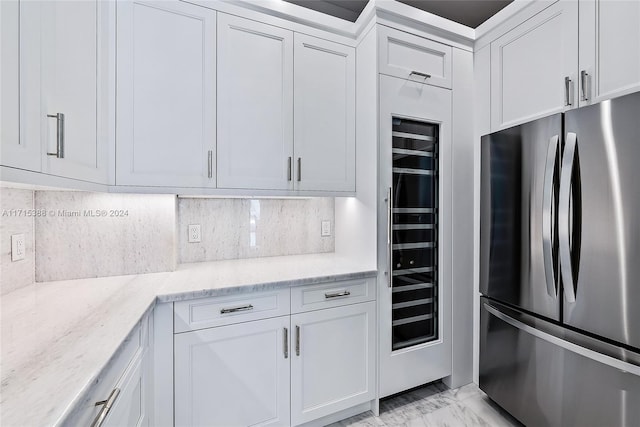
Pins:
<point x="609" y="49"/>
<point x="74" y="66"/>
<point x="333" y="360"/>
<point x="166" y="78"/>
<point x="129" y="408"/>
<point x="15" y="152"/>
<point x="533" y="65"/>
<point x="407" y="56"/>
<point x="324" y="115"/>
<point x="236" y="375"/>
<point x="255" y="105"/>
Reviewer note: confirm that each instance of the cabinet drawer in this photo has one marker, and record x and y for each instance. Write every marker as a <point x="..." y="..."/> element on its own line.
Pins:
<point x="407" y="56"/>
<point x="332" y="294"/>
<point x="85" y="410"/>
<point x="218" y="311"/>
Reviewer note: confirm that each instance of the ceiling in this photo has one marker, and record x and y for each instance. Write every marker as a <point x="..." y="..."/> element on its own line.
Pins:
<point x="467" y="12"/>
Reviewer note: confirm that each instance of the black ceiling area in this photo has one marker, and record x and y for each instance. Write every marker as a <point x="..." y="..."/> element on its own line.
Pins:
<point x="467" y="12"/>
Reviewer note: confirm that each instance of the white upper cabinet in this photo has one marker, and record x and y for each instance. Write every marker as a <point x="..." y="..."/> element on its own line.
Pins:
<point x="408" y="56"/>
<point x="255" y="105"/>
<point x="14" y="151"/>
<point x="166" y="91"/>
<point x="324" y="115"/>
<point x="609" y="49"/>
<point x="63" y="65"/>
<point x="534" y="67"/>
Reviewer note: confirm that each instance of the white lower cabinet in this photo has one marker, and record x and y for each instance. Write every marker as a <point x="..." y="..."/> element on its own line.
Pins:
<point x="333" y="360"/>
<point x="236" y="375"/>
<point x="121" y="394"/>
<point x="129" y="408"/>
<point x="284" y="370"/>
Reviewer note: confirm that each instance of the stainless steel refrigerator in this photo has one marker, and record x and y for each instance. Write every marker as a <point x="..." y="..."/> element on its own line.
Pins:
<point x="560" y="267"/>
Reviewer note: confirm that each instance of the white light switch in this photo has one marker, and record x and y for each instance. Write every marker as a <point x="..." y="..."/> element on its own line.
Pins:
<point x="17" y="247"/>
<point x="194" y="233"/>
<point x="325" y="228"/>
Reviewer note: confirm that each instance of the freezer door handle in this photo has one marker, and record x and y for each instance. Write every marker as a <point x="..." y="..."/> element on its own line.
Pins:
<point x="548" y="213"/>
<point x="566" y="219"/>
<point x="574" y="348"/>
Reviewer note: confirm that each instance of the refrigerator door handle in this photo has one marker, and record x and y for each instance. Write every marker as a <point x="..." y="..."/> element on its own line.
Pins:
<point x="564" y="217"/>
<point x="548" y="216"/>
<point x="574" y="348"/>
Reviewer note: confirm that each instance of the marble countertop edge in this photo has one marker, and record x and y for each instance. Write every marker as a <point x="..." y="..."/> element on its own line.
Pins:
<point x="81" y="345"/>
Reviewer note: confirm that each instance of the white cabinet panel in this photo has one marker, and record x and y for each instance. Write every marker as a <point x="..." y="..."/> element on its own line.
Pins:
<point x="129" y="409"/>
<point x="74" y="68"/>
<point x="225" y="310"/>
<point x="324" y="112"/>
<point x="609" y="48"/>
<point x="166" y="94"/>
<point x="333" y="360"/>
<point x="255" y="105"/>
<point x="64" y="60"/>
<point x="233" y="375"/>
<point x="529" y="65"/>
<point x="15" y="152"/>
<point x="407" y="56"/>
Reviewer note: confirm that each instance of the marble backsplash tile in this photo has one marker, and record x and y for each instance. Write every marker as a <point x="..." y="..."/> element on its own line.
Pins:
<point x="96" y="234"/>
<point x="251" y="228"/>
<point x="14" y="219"/>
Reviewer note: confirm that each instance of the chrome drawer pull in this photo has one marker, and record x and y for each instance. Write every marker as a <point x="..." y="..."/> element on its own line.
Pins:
<point x="106" y="408"/>
<point x="419" y="74"/>
<point x="337" y="294"/>
<point x="236" y="309"/>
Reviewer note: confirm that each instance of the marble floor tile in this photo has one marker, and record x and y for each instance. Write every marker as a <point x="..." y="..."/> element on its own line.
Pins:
<point x="436" y="406"/>
<point x="366" y="419"/>
<point x="491" y="412"/>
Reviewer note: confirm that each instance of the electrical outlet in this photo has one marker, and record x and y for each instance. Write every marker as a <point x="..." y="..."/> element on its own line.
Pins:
<point x="17" y="247"/>
<point x="194" y="233"/>
<point x="325" y="228"/>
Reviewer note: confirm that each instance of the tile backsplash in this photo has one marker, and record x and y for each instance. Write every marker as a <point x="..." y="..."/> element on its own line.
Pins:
<point x="14" y="205"/>
<point x="244" y="228"/>
<point x="85" y="234"/>
<point x="96" y="234"/>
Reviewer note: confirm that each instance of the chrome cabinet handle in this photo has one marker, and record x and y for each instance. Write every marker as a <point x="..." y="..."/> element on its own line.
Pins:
<point x="547" y="215"/>
<point x="210" y="163"/>
<point x="106" y="407"/>
<point x="299" y="169"/>
<point x="389" y="201"/>
<point x="584" y="80"/>
<point x="289" y="169"/>
<point x="566" y="268"/>
<point x="236" y="309"/>
<point x="419" y="74"/>
<point x="297" y="340"/>
<point x="59" y="135"/>
<point x="337" y="294"/>
<point x="286" y="342"/>
<point x="568" y="96"/>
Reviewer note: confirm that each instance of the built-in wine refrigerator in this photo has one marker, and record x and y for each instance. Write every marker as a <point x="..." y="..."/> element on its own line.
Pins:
<point x="414" y="333"/>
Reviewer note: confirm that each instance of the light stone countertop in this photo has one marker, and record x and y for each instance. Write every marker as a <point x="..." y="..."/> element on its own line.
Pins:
<point x="56" y="337"/>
